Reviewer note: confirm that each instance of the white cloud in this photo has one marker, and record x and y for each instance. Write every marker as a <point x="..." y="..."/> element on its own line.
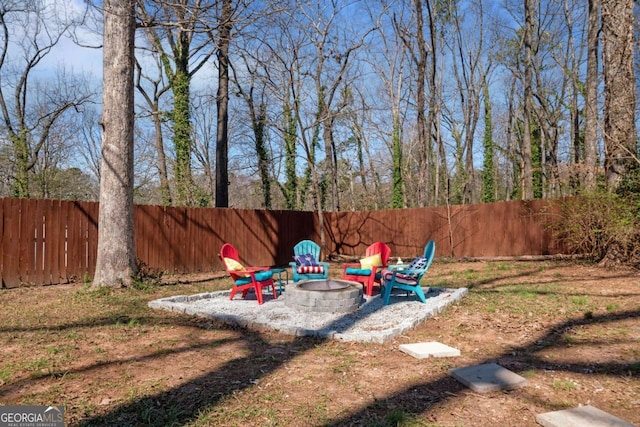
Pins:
<point x="79" y="52"/>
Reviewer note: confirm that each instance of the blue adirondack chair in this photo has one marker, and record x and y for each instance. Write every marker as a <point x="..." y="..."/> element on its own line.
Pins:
<point x="408" y="277"/>
<point x="309" y="267"/>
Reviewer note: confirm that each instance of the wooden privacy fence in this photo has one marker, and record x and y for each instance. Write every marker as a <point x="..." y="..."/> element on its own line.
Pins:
<point x="54" y="241"/>
<point x="483" y="230"/>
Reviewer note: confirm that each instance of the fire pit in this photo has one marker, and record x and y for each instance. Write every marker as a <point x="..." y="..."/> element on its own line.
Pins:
<point x="326" y="296"/>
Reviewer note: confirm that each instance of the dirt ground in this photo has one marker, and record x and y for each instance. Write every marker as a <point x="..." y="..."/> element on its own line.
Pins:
<point x="571" y="329"/>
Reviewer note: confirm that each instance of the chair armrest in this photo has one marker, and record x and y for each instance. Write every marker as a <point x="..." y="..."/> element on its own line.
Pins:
<point x="417" y="273"/>
<point x="406" y="270"/>
<point x="245" y="273"/>
<point x="349" y="265"/>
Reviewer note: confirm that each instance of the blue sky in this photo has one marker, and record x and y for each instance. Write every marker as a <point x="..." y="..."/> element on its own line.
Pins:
<point x="74" y="58"/>
<point x="86" y="60"/>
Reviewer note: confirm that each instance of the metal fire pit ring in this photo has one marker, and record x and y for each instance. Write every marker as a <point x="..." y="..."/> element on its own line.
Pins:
<point x="324" y="296"/>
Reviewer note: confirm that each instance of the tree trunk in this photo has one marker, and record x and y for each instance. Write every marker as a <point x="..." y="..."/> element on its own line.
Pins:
<point x="527" y="170"/>
<point x="290" y="189"/>
<point x="421" y="122"/>
<point x="332" y="158"/>
<point x="488" y="168"/>
<point x="182" y="133"/>
<point x="619" y="89"/>
<point x="165" y="189"/>
<point x="153" y="102"/>
<point x="591" y="101"/>
<point x="436" y="159"/>
<point x="222" y="103"/>
<point x="115" y="263"/>
<point x="397" y="198"/>
<point x="264" y="161"/>
<point x="21" y="149"/>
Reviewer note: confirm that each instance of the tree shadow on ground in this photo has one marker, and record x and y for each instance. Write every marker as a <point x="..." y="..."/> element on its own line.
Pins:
<point x="518" y="359"/>
<point x="186" y="403"/>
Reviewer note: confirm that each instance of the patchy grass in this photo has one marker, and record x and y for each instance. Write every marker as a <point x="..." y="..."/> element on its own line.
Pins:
<point x="571" y="329"/>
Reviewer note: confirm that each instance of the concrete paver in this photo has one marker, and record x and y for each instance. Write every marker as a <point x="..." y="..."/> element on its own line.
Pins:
<point x="488" y="377"/>
<point x="579" y="417"/>
<point x="423" y="350"/>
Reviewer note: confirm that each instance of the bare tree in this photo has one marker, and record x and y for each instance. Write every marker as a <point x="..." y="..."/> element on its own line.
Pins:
<point x="30" y="110"/>
<point x="334" y="52"/>
<point x="88" y="142"/>
<point x="370" y="165"/>
<point x="470" y="71"/>
<point x="252" y="91"/>
<point x="315" y="102"/>
<point x="179" y="33"/>
<point x="204" y="115"/>
<point x="152" y="88"/>
<point x="56" y="174"/>
<point x="116" y="263"/>
<point x="571" y="64"/>
<point x="555" y="66"/>
<point x="392" y="63"/>
<point x="267" y="76"/>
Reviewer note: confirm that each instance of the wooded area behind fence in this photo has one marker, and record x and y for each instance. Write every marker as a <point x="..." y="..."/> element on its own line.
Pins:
<point x="54" y="241"/>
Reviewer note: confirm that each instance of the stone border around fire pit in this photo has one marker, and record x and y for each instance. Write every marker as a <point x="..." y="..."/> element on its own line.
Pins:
<point x="344" y="297"/>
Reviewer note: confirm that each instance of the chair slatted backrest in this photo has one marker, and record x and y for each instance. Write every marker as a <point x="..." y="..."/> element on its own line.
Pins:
<point x="429" y="253"/>
<point x="228" y="251"/>
<point x="379" y="248"/>
<point x="307" y="247"/>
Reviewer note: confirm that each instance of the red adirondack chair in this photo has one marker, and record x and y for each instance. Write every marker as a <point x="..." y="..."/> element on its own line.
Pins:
<point x="246" y="278"/>
<point x="367" y="271"/>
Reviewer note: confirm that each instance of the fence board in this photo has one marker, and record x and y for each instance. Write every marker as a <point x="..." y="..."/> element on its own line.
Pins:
<point x="37" y="270"/>
<point x="25" y="239"/>
<point x="150" y="238"/>
<point x="291" y="228"/>
<point x="50" y="241"/>
<point x="63" y="231"/>
<point x="10" y="243"/>
<point x="82" y="240"/>
<point x="75" y="236"/>
<point x="204" y="253"/>
<point x="179" y="242"/>
<point x="63" y="255"/>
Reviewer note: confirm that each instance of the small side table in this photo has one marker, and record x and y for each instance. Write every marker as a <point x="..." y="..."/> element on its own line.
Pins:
<point x="282" y="274"/>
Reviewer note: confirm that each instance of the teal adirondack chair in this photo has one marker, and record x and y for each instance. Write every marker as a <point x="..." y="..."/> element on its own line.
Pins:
<point x="319" y="271"/>
<point x="408" y="277"/>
